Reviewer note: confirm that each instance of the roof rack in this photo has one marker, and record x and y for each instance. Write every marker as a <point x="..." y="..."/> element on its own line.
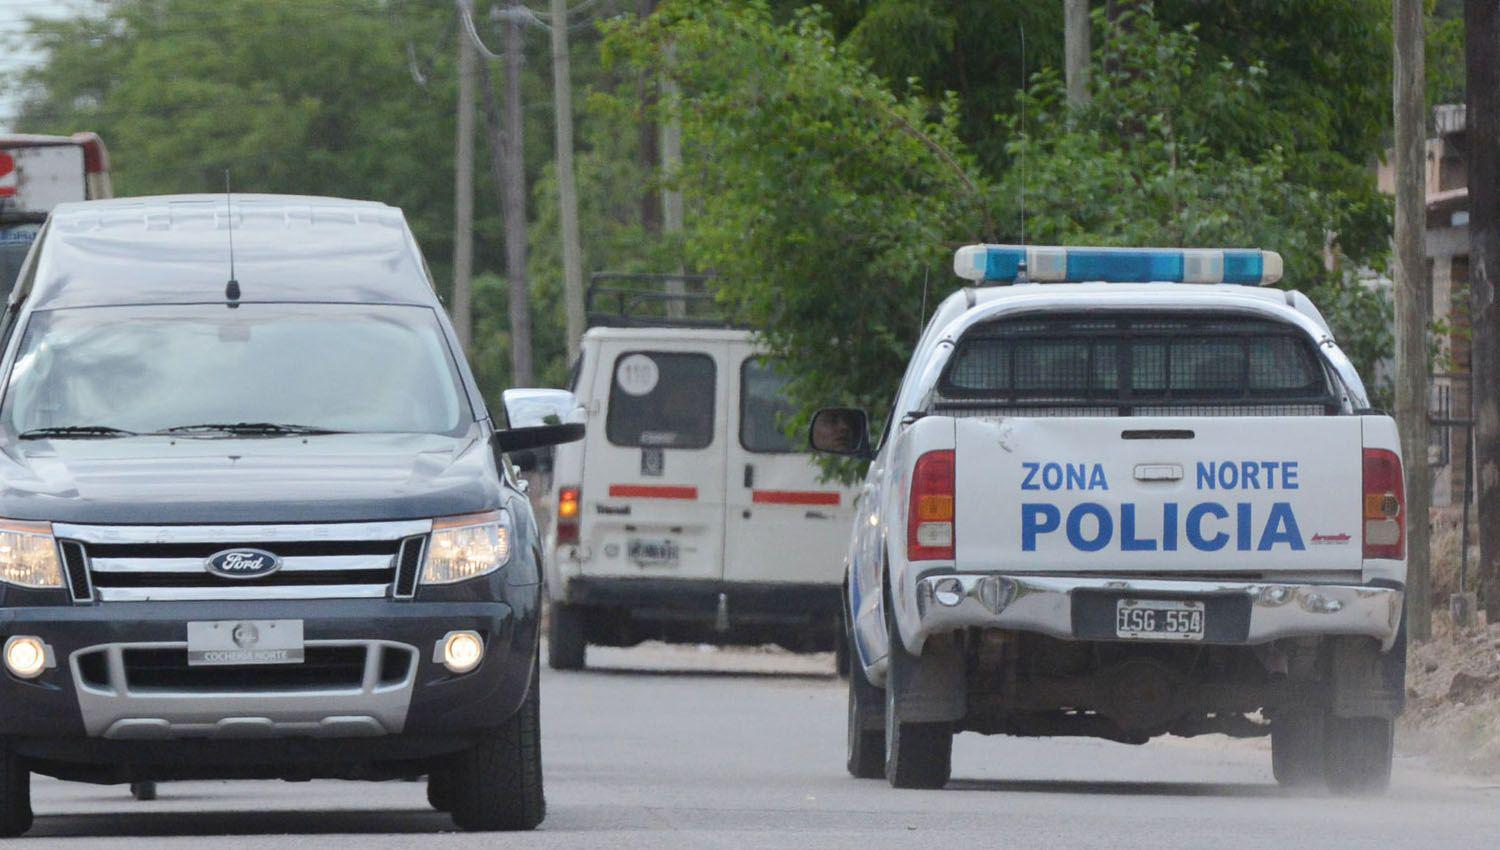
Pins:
<point x="628" y="300"/>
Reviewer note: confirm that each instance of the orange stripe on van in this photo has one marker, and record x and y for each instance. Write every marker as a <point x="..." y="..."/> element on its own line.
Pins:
<point x="651" y="491"/>
<point x="794" y="497"/>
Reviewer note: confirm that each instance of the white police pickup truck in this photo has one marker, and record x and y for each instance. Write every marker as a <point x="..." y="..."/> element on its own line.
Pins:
<point x="1125" y="497"/>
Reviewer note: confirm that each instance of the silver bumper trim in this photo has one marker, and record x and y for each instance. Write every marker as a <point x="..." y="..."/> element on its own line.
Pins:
<point x="289" y="564"/>
<point x="242" y="592"/>
<point x="115" y="710"/>
<point x="1044" y="604"/>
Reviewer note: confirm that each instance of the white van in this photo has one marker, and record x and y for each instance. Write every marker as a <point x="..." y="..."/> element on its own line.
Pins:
<point x="687" y="514"/>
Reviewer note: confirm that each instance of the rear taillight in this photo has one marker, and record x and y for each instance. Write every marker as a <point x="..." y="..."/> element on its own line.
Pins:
<point x="1384" y="507"/>
<point x="568" y="510"/>
<point x="929" y="535"/>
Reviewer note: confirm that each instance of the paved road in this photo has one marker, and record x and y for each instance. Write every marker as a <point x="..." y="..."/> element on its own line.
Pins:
<point x="682" y="748"/>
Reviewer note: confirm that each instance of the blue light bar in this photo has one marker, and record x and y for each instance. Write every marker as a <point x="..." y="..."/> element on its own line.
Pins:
<point x="1050" y="264"/>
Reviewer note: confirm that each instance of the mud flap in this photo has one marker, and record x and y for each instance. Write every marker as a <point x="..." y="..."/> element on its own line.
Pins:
<point x="931" y="687"/>
<point x="1367" y="682"/>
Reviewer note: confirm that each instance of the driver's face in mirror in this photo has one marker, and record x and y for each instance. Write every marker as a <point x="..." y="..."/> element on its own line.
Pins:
<point x="834" y="431"/>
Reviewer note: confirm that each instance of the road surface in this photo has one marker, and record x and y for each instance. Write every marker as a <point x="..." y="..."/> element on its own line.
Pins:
<point x="663" y="747"/>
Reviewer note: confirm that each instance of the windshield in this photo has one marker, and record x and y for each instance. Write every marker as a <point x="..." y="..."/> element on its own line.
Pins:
<point x="15" y="241"/>
<point x="335" y="367"/>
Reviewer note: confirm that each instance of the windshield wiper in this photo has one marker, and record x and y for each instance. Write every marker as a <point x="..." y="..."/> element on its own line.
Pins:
<point x="250" y="428"/>
<point x="83" y="431"/>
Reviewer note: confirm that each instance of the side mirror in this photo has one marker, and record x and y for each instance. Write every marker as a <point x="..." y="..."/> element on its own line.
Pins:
<point x="841" y="431"/>
<point x="536" y="437"/>
<point x="529" y="407"/>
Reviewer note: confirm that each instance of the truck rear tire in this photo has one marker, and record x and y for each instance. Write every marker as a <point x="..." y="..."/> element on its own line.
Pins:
<point x="497" y="784"/>
<point x="566" y="646"/>
<point x="15" y="795"/>
<point x="866" y="750"/>
<point x="1357" y="754"/>
<point x="917" y="755"/>
<point x="1297" y="749"/>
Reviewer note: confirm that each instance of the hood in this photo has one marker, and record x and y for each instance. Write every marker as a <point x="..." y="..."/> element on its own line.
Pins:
<point x="175" y="480"/>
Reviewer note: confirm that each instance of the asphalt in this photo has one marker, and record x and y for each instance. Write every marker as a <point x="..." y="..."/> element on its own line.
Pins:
<point x="684" y="748"/>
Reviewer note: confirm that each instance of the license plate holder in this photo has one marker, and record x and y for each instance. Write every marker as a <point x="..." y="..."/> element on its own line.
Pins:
<point x="1160" y="619"/>
<point x="655" y="553"/>
<point x="233" y="642"/>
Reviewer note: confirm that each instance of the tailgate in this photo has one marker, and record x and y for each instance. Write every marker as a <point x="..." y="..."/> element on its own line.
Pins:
<point x="1148" y="494"/>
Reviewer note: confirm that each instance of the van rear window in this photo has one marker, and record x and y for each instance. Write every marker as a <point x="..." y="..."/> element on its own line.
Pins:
<point x="1136" y="364"/>
<point x="662" y="399"/>
<point x="764" y="409"/>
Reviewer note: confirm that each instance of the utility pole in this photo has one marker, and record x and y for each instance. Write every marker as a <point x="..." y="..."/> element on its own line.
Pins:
<point x="463" y="187"/>
<point x="672" y="218"/>
<point x="1412" y="378"/>
<point x="567" y="190"/>
<point x="1076" y="51"/>
<point x="508" y="169"/>
<point x="1482" y="41"/>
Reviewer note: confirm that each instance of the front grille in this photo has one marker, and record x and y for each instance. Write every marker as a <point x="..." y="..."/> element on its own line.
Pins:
<point x="145" y="670"/>
<point x="141" y="563"/>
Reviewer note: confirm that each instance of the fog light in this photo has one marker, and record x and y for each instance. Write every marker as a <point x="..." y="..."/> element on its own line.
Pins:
<point x="948" y="592"/>
<point x="26" y="656"/>
<point x="461" y="652"/>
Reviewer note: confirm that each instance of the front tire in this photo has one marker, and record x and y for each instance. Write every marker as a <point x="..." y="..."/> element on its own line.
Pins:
<point x="566" y="646"/>
<point x="1297" y="749"/>
<point x="143" y="791"/>
<point x="1357" y="753"/>
<point x="15" y="795"/>
<point x="866" y="739"/>
<point x="497" y="784"/>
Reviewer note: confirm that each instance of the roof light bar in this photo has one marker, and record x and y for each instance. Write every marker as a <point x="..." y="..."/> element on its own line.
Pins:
<point x="1050" y="264"/>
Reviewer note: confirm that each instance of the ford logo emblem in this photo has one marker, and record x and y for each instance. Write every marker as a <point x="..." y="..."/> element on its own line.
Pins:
<point x="242" y="563"/>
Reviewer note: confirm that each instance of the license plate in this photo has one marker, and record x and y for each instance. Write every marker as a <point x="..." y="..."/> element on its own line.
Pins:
<point x="662" y="553"/>
<point x="222" y="642"/>
<point x="1159" y="619"/>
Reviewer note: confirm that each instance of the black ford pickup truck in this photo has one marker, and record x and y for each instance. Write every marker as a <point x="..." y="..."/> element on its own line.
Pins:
<point x="256" y="520"/>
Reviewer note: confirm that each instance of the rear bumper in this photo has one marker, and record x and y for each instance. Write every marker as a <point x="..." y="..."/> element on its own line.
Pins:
<point x="1071" y="607"/>
<point x="624" y="610"/>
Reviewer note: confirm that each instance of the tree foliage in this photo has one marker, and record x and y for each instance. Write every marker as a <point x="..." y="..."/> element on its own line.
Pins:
<point x="822" y="199"/>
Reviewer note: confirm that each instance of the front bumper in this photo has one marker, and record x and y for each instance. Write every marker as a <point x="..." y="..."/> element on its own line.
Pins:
<point x="402" y="692"/>
<point x="1067" y="607"/>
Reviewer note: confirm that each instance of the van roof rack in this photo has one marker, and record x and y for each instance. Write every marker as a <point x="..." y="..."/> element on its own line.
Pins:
<point x="635" y="300"/>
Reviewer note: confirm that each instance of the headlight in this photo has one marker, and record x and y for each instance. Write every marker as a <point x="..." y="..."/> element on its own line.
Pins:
<point x="28" y="554"/>
<point x="463" y="547"/>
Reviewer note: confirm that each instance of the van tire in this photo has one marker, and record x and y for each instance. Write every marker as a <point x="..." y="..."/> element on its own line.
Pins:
<point x="567" y="648"/>
<point x="1357" y="754"/>
<point x="143" y="791"/>
<point x="866" y="745"/>
<point x="1297" y="749"/>
<point x="440" y="789"/>
<point x="497" y="783"/>
<point x="15" y="794"/>
<point x="917" y="755"/>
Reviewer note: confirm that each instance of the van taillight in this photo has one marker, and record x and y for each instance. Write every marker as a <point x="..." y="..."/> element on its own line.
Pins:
<point x="1384" y="505"/>
<point x="568" y="510"/>
<point x="929" y="535"/>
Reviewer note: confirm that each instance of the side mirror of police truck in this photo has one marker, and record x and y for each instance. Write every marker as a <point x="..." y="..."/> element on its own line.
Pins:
<point x="841" y="431"/>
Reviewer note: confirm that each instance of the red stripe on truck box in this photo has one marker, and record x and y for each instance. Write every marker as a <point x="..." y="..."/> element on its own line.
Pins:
<point x="651" y="491"/>
<point x="794" y="497"/>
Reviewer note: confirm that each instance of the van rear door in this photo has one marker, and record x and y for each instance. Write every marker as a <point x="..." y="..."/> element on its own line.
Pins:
<point x="781" y="523"/>
<point x="653" y="491"/>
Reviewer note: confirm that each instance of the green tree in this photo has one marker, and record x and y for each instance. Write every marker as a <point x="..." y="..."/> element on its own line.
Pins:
<point x="823" y="200"/>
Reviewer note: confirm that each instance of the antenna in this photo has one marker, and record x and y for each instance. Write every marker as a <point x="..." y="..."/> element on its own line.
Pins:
<point x="922" y="317"/>
<point x="1025" y="142"/>
<point x="231" y="289"/>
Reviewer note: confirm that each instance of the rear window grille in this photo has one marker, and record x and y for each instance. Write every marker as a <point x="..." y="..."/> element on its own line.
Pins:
<point x="1079" y="365"/>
